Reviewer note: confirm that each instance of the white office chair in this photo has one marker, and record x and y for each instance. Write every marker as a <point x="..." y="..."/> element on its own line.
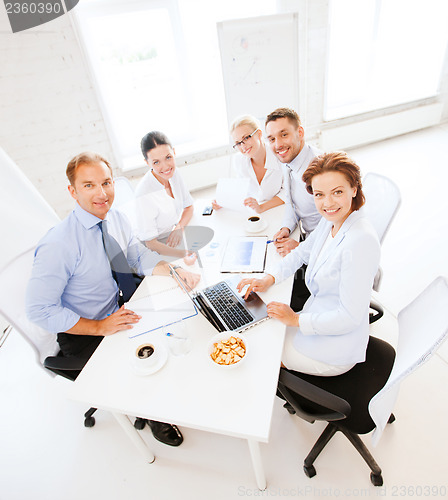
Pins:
<point x="383" y="200"/>
<point x="125" y="200"/>
<point x="423" y="326"/>
<point x="28" y="218"/>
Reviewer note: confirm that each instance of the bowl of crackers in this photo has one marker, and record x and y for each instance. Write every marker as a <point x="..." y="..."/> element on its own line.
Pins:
<point x="227" y="349"/>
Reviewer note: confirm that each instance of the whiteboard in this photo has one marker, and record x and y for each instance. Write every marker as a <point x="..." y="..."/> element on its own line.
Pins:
<point x="259" y="58"/>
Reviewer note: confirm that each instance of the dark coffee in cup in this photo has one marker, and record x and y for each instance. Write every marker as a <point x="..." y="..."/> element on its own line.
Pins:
<point x="145" y="351"/>
<point x="254" y="219"/>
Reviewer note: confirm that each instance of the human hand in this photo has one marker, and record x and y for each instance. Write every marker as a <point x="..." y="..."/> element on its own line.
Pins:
<point x="215" y="205"/>
<point x="123" y="319"/>
<point x="190" y="258"/>
<point x="175" y="237"/>
<point x="285" y="245"/>
<point x="253" y="204"/>
<point x="283" y="233"/>
<point x="255" y="284"/>
<point x="191" y="279"/>
<point x="283" y="313"/>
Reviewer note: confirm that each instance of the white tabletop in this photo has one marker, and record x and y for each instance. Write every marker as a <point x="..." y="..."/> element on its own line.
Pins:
<point x="190" y="390"/>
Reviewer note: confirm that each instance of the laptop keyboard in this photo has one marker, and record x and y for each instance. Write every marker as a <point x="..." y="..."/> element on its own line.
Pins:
<point x="228" y="306"/>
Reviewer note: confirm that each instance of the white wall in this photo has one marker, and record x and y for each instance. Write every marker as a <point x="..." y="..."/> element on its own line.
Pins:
<point x="49" y="110"/>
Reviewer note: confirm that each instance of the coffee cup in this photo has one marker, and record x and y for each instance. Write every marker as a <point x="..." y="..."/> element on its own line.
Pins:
<point x="254" y="223"/>
<point x="146" y="355"/>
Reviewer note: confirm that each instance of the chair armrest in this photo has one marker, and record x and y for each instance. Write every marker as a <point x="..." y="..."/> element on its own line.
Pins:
<point x="338" y="408"/>
<point x="61" y="363"/>
<point x="375" y="306"/>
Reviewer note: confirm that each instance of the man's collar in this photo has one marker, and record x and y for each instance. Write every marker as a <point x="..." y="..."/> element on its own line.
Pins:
<point x="87" y="219"/>
<point x="296" y="164"/>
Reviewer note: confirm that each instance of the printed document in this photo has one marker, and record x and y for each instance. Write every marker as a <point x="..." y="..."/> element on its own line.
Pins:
<point x="245" y="255"/>
<point x="231" y="193"/>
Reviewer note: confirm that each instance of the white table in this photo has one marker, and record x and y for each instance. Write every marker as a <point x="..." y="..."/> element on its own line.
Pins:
<point x="190" y="391"/>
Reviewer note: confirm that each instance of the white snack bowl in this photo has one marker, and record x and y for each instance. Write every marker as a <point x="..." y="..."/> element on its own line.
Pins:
<point x="223" y="336"/>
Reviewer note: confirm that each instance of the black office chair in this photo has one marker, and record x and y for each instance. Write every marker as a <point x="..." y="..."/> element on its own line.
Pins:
<point x="342" y="401"/>
<point x="69" y="368"/>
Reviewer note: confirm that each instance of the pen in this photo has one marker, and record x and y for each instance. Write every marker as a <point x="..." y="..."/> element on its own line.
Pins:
<point x="169" y="334"/>
<point x="271" y="241"/>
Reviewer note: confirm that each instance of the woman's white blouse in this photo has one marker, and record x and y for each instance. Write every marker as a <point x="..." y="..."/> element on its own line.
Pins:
<point x="157" y="212"/>
<point x="272" y="183"/>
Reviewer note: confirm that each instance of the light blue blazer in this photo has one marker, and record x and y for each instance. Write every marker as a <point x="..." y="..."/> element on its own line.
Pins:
<point x="334" y="322"/>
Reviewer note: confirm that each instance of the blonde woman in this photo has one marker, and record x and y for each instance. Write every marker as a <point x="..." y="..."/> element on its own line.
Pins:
<point x="258" y="163"/>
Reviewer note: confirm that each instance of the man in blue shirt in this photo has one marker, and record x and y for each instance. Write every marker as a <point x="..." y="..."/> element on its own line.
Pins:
<point x="72" y="291"/>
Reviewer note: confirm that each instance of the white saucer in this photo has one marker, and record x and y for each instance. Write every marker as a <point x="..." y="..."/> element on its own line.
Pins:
<point x="149" y="370"/>
<point x="250" y="229"/>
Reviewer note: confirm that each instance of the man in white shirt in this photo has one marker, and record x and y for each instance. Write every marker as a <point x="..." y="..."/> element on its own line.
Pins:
<point x="285" y="136"/>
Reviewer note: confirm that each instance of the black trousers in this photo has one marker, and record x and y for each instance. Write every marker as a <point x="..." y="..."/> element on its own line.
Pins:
<point x="300" y="292"/>
<point x="83" y="346"/>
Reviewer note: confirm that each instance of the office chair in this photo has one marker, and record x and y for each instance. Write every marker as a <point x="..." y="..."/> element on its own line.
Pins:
<point x="29" y="217"/>
<point x="125" y="200"/>
<point x="383" y="200"/>
<point x="362" y="399"/>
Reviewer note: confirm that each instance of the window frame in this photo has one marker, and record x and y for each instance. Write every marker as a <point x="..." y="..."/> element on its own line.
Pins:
<point x="364" y="114"/>
<point x="135" y="164"/>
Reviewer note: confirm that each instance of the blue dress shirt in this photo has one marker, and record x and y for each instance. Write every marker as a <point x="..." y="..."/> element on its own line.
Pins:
<point x="71" y="276"/>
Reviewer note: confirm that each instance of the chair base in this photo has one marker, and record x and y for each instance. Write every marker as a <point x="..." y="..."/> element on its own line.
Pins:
<point x="329" y="431"/>
<point x="89" y="421"/>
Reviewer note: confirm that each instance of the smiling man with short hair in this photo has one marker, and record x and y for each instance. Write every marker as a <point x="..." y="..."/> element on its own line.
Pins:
<point x="83" y="270"/>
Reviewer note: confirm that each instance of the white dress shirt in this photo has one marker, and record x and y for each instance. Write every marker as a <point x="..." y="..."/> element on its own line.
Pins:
<point x="157" y="212"/>
<point x="302" y="207"/>
<point x="334" y="322"/>
<point x="272" y="183"/>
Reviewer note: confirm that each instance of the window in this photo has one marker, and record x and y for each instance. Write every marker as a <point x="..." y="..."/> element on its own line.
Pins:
<point x="383" y="53"/>
<point x="157" y="67"/>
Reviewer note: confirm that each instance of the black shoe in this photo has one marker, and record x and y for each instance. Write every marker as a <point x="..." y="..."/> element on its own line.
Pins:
<point x="166" y="433"/>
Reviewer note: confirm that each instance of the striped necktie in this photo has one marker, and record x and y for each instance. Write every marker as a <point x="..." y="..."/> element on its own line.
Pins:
<point x="294" y="208"/>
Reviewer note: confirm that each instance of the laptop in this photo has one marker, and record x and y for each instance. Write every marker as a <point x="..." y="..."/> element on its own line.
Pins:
<point x="223" y="307"/>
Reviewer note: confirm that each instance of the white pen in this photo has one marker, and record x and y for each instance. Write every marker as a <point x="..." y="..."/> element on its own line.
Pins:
<point x="169" y="334"/>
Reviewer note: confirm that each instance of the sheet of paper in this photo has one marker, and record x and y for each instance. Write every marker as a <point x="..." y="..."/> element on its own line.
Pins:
<point x="244" y="255"/>
<point x="153" y="319"/>
<point x="231" y="193"/>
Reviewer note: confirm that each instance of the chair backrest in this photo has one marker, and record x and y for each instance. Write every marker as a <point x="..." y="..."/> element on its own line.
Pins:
<point x="382" y="201"/>
<point x="125" y="199"/>
<point x="13" y="283"/>
<point x="28" y="215"/>
<point x="28" y="218"/>
<point x="423" y="326"/>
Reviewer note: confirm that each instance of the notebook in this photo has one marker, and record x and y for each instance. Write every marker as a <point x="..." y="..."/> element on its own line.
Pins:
<point x="224" y="308"/>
